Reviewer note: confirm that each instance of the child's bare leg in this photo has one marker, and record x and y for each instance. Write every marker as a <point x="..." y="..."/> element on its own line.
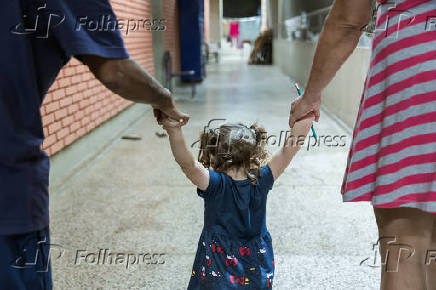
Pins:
<point x="405" y="235"/>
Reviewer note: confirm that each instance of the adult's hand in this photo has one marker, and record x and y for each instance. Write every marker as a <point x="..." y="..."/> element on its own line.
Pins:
<point x="172" y="113"/>
<point x="304" y="106"/>
<point x="177" y="115"/>
<point x="169" y="110"/>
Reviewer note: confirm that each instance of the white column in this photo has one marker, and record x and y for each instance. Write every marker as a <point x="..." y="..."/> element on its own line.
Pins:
<point x="264" y="12"/>
<point x="215" y="22"/>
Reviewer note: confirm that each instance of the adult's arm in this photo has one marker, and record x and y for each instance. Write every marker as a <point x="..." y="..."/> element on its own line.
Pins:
<point x="131" y="81"/>
<point x="338" y="39"/>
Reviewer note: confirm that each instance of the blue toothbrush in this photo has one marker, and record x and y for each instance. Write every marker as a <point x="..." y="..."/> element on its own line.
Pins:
<point x="299" y="94"/>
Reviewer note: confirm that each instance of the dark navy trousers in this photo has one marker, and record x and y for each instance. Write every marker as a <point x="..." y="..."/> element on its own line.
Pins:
<point x="25" y="261"/>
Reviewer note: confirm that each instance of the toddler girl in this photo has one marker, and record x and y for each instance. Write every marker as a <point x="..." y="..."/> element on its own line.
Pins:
<point x="233" y="177"/>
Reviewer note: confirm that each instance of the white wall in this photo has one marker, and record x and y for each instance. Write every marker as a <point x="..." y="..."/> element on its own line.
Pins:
<point x="342" y="96"/>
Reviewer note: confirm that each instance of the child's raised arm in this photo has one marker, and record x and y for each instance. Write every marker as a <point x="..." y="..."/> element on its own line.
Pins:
<point x="195" y="171"/>
<point x="281" y="160"/>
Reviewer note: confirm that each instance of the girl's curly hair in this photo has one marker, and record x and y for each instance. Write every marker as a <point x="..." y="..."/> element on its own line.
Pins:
<point x="234" y="145"/>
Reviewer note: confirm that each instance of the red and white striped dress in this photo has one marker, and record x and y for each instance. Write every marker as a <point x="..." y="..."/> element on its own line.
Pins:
<point x="392" y="160"/>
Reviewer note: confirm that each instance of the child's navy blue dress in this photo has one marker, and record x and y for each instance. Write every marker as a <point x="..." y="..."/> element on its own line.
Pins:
<point x="235" y="250"/>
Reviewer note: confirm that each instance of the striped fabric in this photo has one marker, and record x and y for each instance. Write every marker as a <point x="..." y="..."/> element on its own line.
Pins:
<point x="392" y="160"/>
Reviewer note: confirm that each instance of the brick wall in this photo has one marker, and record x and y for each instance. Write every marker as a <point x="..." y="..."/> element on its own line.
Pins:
<point x="77" y="102"/>
<point x="172" y="36"/>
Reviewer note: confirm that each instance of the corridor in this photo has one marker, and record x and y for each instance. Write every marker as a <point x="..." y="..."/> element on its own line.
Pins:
<point x="133" y="201"/>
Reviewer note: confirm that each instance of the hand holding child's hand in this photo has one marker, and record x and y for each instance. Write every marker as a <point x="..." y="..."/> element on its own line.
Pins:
<point x="169" y="124"/>
<point x="166" y="122"/>
<point x="302" y="127"/>
<point x="302" y="107"/>
<point x="169" y="109"/>
<point x="171" y="114"/>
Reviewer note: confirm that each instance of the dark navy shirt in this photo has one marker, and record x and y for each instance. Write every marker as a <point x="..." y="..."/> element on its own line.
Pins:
<point x="37" y="39"/>
<point x="236" y="208"/>
<point x="235" y="245"/>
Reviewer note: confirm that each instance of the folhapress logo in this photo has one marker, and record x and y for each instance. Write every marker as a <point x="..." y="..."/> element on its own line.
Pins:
<point x="38" y="22"/>
<point x="38" y="256"/>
